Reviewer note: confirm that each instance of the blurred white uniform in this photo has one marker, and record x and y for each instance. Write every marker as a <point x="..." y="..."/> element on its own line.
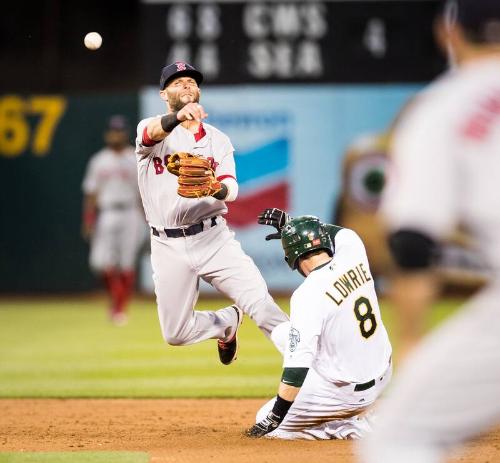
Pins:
<point x="447" y="172"/>
<point x="212" y="253"/>
<point x="337" y="332"/>
<point x="119" y="230"/>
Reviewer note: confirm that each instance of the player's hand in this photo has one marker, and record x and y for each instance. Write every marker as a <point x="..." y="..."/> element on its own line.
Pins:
<point x="268" y="424"/>
<point x="192" y="112"/>
<point x="276" y="218"/>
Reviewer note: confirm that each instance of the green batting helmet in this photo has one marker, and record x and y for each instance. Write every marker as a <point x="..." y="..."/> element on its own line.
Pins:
<point x="302" y="235"/>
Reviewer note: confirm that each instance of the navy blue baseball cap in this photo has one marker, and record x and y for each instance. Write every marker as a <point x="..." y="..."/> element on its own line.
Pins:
<point x="179" y="69"/>
<point x="479" y="18"/>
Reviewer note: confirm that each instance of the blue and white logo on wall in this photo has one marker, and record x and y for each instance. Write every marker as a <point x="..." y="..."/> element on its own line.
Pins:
<point x="262" y="142"/>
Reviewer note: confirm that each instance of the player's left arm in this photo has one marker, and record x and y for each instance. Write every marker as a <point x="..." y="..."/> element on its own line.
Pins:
<point x="291" y="382"/>
<point x="225" y="173"/>
<point x="306" y="323"/>
<point x="419" y="208"/>
<point x="90" y="187"/>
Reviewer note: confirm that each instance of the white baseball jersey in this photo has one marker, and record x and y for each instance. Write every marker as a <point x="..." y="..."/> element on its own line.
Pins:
<point x="446" y="160"/>
<point x="163" y="206"/>
<point x="336" y="327"/>
<point x="113" y="178"/>
<point x="336" y="331"/>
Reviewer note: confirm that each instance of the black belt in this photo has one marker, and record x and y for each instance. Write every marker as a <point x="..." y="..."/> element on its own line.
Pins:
<point x="369" y="384"/>
<point x="188" y="231"/>
<point x="364" y="386"/>
<point x="118" y="207"/>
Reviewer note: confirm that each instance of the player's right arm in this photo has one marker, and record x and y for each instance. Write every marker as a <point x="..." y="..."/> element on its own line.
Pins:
<point x="89" y="215"/>
<point x="90" y="187"/>
<point x="305" y="330"/>
<point x="275" y="218"/>
<point x="159" y="127"/>
<point x="419" y="209"/>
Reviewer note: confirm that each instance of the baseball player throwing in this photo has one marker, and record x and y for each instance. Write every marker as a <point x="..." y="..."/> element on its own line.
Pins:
<point x="446" y="158"/>
<point x="186" y="176"/>
<point x="337" y="355"/>
<point x="112" y="216"/>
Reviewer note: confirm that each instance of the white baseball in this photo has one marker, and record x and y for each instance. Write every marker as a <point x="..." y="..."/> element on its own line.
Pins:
<point x="93" y="40"/>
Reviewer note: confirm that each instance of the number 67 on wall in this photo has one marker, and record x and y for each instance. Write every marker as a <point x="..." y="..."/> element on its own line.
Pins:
<point x="16" y="133"/>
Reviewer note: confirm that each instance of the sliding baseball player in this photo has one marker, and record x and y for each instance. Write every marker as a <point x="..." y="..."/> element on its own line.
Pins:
<point x="336" y="352"/>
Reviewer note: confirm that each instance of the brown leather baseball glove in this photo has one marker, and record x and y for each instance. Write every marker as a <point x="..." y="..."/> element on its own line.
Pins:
<point x="196" y="177"/>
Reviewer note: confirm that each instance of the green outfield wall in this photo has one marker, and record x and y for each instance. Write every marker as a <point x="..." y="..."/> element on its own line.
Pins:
<point x="45" y="143"/>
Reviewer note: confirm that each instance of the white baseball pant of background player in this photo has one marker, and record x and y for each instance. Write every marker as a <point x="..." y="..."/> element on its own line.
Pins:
<point x="211" y="253"/>
<point x="327" y="405"/>
<point x="447" y="171"/>
<point x="118" y="236"/>
<point x="111" y="192"/>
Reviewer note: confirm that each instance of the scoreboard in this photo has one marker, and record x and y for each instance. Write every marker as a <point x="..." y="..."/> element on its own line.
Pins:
<point x="293" y="41"/>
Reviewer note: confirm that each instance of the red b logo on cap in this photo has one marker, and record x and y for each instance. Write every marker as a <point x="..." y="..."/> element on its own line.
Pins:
<point x="180" y="66"/>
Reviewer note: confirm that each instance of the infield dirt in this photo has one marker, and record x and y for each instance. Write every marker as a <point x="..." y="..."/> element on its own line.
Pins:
<point x="172" y="431"/>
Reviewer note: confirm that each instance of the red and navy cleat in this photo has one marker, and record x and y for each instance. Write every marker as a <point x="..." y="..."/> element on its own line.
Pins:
<point x="228" y="350"/>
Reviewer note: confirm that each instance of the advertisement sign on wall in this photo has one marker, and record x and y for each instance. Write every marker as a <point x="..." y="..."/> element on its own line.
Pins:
<point x="289" y="144"/>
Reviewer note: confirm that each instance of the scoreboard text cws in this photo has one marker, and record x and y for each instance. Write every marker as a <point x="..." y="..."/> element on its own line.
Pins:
<point x="281" y="40"/>
<point x="329" y="41"/>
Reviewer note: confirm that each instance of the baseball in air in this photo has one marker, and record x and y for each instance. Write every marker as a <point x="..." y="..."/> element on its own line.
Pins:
<point x="93" y="40"/>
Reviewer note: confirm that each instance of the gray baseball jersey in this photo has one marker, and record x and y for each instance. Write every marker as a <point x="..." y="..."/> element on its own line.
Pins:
<point x="163" y="206"/>
<point x="211" y="254"/>
<point x="120" y="227"/>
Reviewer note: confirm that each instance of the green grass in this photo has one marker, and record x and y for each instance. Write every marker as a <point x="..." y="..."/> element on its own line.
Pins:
<point x="58" y="348"/>
<point x="74" y="457"/>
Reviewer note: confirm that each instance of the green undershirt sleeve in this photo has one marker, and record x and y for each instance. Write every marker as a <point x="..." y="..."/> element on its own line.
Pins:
<point x="294" y="376"/>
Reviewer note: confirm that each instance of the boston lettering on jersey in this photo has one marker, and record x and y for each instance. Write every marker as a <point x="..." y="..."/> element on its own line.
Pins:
<point x="160" y="165"/>
<point x="348" y="282"/>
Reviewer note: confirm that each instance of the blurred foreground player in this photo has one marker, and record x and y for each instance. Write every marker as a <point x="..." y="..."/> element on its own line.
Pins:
<point x="458" y="266"/>
<point x="112" y="216"/>
<point x="337" y="355"/>
<point x="446" y="157"/>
